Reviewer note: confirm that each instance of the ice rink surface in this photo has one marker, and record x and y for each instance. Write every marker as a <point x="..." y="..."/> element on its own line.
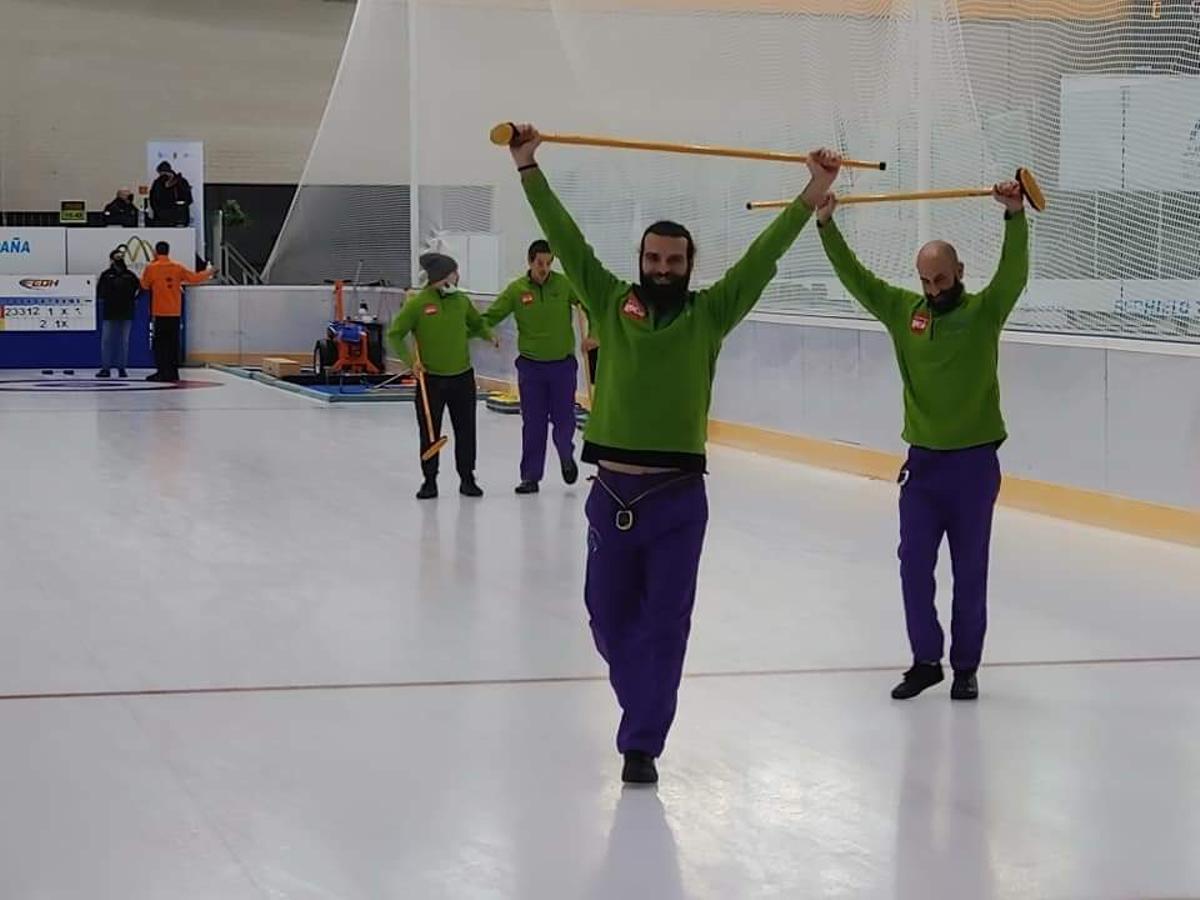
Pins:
<point x="239" y="660"/>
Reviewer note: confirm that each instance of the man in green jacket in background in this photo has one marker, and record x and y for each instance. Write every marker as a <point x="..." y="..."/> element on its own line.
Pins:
<point x="648" y="510"/>
<point x="441" y="318"/>
<point x="547" y="372"/>
<point x="947" y="343"/>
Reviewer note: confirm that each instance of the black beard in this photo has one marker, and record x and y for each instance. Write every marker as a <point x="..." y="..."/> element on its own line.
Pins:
<point x="119" y="264"/>
<point x="947" y="300"/>
<point x="663" y="298"/>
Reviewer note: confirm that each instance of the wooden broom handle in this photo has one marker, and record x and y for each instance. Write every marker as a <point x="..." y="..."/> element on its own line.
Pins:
<point x="504" y="133"/>
<point x="949" y="194"/>
<point x="587" y="370"/>
<point x="424" y="391"/>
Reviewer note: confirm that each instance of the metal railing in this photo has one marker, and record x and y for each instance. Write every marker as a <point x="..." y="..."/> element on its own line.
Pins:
<point x="232" y="264"/>
<point x="235" y="268"/>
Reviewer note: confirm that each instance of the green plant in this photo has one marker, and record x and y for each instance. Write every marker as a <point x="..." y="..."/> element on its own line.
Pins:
<point x="233" y="215"/>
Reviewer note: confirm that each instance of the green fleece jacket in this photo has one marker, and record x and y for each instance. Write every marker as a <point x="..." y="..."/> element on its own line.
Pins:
<point x="948" y="361"/>
<point x="441" y="326"/>
<point x="654" y="387"/>
<point x="545" y="331"/>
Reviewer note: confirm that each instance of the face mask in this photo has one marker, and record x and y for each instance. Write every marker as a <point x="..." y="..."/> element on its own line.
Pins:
<point x="947" y="300"/>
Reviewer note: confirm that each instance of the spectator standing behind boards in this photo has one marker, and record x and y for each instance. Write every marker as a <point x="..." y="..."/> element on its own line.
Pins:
<point x="164" y="279"/>
<point x="117" y="290"/>
<point x="121" y="211"/>
<point x="170" y="198"/>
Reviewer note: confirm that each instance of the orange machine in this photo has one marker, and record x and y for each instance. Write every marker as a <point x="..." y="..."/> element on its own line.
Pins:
<point x="349" y="347"/>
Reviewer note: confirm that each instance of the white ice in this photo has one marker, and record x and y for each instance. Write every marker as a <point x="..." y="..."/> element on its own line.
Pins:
<point x="453" y="734"/>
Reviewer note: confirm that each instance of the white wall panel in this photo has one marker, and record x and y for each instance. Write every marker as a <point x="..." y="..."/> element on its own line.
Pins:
<point x="1154" y="427"/>
<point x="1053" y="400"/>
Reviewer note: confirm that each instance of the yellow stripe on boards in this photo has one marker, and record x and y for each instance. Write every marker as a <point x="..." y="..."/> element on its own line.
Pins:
<point x="1124" y="514"/>
<point x="1167" y="523"/>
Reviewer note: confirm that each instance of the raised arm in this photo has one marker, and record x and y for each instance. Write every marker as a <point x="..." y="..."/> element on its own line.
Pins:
<point x="1012" y="274"/>
<point x="729" y="300"/>
<point x="882" y="300"/>
<point x="596" y="285"/>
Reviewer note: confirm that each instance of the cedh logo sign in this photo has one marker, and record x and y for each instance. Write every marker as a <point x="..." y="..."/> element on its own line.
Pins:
<point x="39" y="284"/>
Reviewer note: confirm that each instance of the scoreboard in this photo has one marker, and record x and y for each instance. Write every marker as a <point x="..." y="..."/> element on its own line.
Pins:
<point x="47" y="303"/>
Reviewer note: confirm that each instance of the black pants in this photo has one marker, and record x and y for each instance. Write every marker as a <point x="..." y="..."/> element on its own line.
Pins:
<point x="593" y="361"/>
<point x="456" y="392"/>
<point x="166" y="347"/>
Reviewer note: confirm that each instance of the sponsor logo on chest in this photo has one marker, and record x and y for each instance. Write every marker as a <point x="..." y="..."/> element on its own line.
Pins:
<point x="920" y="322"/>
<point x="634" y="308"/>
<point x="431" y="309"/>
<point x="527" y="299"/>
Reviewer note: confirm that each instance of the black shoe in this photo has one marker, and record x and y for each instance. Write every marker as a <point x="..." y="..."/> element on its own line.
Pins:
<point x="570" y="471"/>
<point x="965" y="686"/>
<point x="639" y="768"/>
<point x="527" y="487"/>
<point x="121" y="373"/>
<point x="469" y="488"/>
<point x="428" y="491"/>
<point x="103" y="373"/>
<point x="154" y="377"/>
<point x="916" y="679"/>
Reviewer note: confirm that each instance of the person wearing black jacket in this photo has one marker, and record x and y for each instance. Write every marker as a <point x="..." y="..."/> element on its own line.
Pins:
<point x="170" y="198"/>
<point x="121" y="212"/>
<point x="117" y="290"/>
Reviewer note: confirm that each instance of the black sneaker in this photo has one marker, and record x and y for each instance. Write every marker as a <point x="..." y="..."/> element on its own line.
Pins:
<point x="527" y="487"/>
<point x="916" y="679"/>
<point x="155" y="377"/>
<point x="965" y="686"/>
<point x="469" y="488"/>
<point x="428" y="491"/>
<point x="639" y="768"/>
<point x="570" y="471"/>
<point x="103" y="373"/>
<point x="121" y="373"/>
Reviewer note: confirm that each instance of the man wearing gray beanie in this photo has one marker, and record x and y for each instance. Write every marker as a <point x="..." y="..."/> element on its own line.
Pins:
<point x="441" y="319"/>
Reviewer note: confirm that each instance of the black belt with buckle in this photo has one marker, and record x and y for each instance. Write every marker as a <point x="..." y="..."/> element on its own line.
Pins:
<point x="624" y="519"/>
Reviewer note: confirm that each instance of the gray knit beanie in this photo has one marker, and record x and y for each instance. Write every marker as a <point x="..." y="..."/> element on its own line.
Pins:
<point x="437" y="266"/>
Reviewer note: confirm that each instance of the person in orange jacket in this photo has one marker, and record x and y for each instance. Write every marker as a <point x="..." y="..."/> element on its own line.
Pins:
<point x="164" y="279"/>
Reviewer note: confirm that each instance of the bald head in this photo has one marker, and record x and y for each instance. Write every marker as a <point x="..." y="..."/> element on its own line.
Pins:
<point x="939" y="268"/>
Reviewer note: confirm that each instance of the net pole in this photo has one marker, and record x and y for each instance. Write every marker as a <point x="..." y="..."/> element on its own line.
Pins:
<point x="414" y="191"/>
<point x="924" y="23"/>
